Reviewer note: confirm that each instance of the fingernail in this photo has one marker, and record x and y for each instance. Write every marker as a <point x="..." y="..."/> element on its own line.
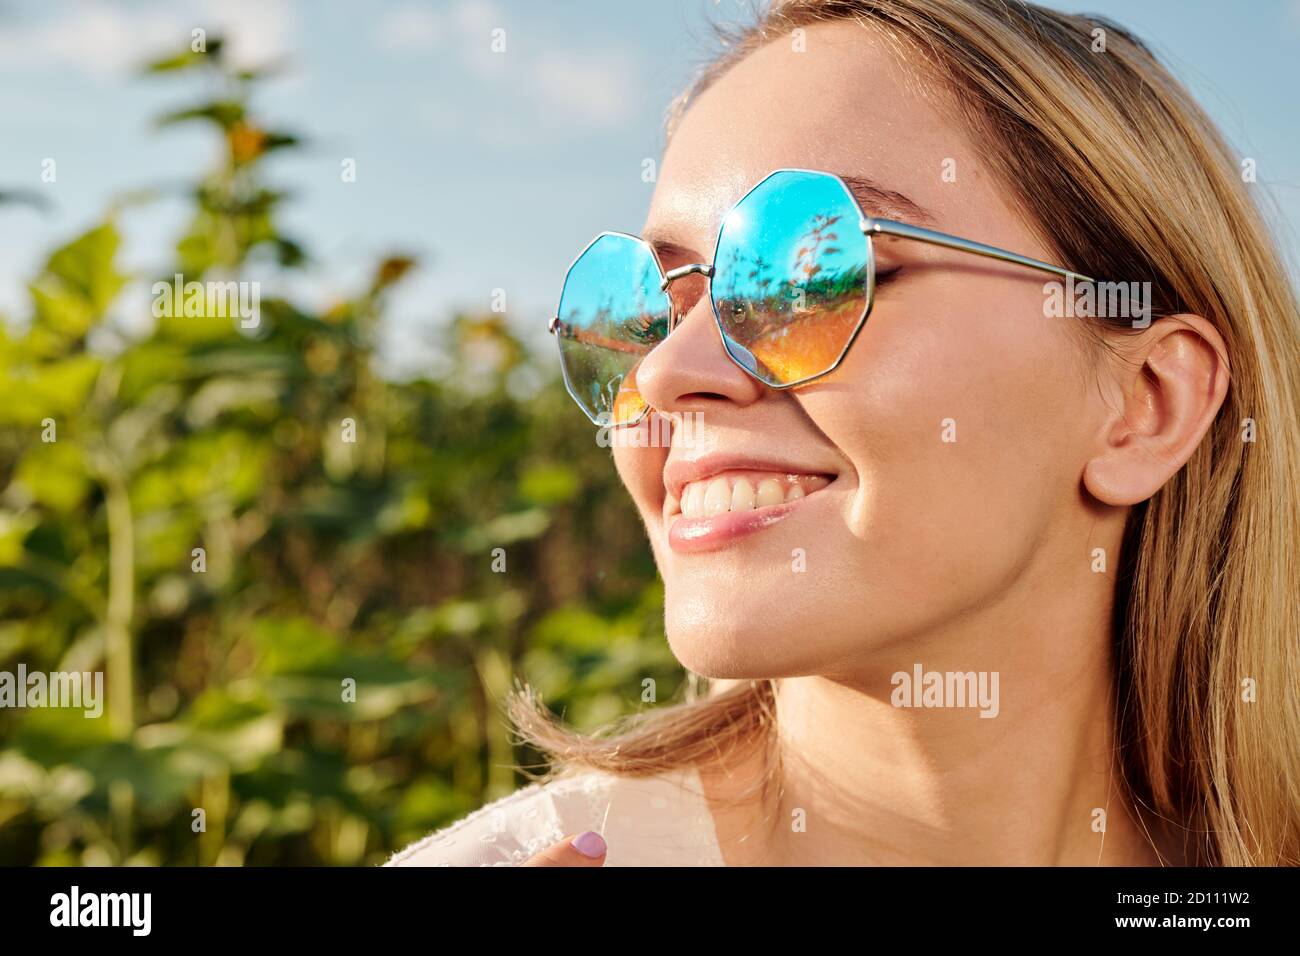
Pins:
<point x="590" y="844"/>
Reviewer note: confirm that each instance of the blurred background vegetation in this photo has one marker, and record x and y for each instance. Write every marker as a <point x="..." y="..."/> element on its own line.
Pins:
<point x="322" y="559"/>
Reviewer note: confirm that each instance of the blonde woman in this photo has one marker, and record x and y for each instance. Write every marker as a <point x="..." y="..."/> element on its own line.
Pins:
<point x="988" y="528"/>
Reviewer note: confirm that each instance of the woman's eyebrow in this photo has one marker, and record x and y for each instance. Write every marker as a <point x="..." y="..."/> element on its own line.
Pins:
<point x="876" y="200"/>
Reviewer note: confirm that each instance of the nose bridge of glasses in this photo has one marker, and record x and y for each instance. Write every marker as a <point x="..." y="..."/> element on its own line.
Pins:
<point x="694" y="268"/>
<point x="683" y="299"/>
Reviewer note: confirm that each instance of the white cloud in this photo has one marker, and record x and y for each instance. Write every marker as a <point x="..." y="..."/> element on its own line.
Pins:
<point x="478" y="16"/>
<point x="408" y="28"/>
<point x="109" y="39"/>
<point x="577" y="89"/>
<point x="96" y="39"/>
<point x="591" y="88"/>
<point x="257" y="32"/>
<point x="575" y="85"/>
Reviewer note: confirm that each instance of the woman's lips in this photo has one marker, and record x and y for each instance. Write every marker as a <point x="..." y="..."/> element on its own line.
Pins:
<point x="718" y="510"/>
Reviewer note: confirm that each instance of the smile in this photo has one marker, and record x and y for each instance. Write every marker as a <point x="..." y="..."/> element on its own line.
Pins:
<point x="714" y="511"/>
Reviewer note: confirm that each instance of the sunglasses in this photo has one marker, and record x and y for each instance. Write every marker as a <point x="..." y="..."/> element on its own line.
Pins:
<point x="792" y="283"/>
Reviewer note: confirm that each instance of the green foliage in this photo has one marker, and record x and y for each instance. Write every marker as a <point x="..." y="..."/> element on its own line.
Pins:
<point x="324" y="561"/>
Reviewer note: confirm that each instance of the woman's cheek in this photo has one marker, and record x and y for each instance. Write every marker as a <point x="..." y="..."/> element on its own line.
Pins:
<point x="929" y="425"/>
<point x="641" y="470"/>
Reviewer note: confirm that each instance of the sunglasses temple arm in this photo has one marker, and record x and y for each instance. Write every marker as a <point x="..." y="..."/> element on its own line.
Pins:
<point x="902" y="230"/>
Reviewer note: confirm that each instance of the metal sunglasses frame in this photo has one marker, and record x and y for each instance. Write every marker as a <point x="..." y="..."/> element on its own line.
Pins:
<point x="870" y="226"/>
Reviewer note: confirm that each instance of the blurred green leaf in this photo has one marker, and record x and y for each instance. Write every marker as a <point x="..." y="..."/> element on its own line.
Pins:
<point x="223" y="113"/>
<point x="319" y="630"/>
<point x="188" y="58"/>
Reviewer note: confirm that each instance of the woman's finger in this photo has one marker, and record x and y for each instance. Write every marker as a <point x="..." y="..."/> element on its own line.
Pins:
<point x="586" y="849"/>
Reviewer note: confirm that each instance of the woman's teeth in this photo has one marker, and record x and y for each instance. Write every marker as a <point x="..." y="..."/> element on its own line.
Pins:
<point x="741" y="492"/>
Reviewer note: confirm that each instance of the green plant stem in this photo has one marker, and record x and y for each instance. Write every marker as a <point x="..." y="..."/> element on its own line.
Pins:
<point x="118" y="655"/>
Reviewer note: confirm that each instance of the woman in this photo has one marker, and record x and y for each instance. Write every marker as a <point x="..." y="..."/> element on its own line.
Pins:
<point x="996" y="497"/>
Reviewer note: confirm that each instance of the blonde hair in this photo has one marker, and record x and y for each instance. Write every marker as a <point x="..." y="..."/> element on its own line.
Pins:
<point x="1121" y="174"/>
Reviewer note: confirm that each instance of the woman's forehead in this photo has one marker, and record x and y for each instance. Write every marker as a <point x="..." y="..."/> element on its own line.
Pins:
<point x="839" y="102"/>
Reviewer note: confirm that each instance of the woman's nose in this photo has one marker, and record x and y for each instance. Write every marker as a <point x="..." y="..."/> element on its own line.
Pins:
<point x="689" y="371"/>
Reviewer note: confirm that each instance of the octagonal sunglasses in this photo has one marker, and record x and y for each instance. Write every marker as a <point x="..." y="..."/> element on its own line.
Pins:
<point x="792" y="282"/>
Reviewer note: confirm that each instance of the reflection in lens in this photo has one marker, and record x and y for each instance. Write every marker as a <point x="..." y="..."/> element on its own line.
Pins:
<point x="612" y="313"/>
<point x="790" y="277"/>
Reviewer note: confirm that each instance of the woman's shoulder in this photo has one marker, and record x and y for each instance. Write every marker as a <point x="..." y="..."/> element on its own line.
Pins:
<point x="647" y="821"/>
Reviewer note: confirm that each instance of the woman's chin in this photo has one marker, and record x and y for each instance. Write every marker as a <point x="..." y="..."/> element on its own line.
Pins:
<point x="734" y="653"/>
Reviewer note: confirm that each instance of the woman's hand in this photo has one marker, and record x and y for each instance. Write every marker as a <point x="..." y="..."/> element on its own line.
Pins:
<point x="586" y="849"/>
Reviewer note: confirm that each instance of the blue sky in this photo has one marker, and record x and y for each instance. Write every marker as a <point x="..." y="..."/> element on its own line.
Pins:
<point x="495" y="169"/>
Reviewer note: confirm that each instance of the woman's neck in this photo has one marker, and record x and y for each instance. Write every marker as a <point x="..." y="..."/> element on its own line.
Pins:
<point x="873" y="769"/>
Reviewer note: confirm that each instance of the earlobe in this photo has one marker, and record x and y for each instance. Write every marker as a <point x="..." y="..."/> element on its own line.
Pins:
<point x="1171" y="384"/>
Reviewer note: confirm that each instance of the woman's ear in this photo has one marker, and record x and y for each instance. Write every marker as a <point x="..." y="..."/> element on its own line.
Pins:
<point x="1170" y="384"/>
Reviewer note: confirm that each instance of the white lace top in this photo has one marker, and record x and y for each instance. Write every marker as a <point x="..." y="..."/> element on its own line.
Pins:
<point x="646" y="821"/>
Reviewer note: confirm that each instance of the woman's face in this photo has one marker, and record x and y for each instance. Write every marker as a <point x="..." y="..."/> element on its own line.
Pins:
<point x="940" y="463"/>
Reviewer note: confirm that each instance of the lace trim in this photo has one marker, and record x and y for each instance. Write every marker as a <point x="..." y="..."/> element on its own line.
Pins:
<point x="595" y="791"/>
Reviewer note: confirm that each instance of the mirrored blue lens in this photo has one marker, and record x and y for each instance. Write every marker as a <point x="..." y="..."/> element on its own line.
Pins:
<point x="613" y="311"/>
<point x="790" y="276"/>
